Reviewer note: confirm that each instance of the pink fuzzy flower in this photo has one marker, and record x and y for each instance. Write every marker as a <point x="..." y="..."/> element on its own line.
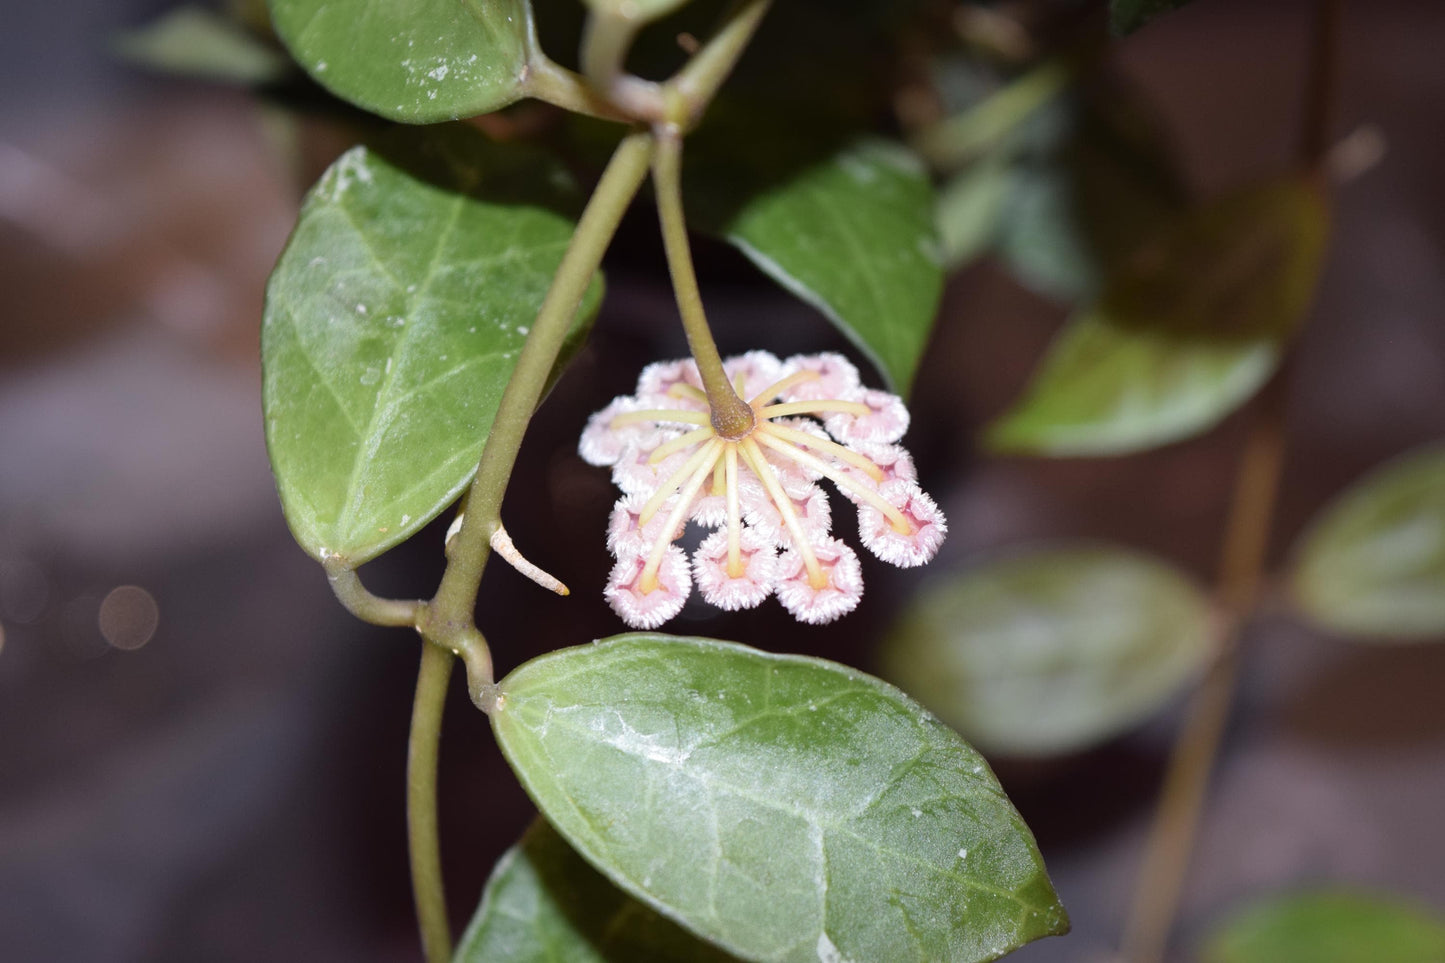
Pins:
<point x="758" y="492"/>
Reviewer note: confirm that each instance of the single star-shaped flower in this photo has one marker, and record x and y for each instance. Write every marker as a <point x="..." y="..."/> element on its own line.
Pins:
<point x="758" y="490"/>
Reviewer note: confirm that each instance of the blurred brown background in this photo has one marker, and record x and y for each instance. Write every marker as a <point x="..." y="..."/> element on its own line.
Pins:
<point x="213" y="769"/>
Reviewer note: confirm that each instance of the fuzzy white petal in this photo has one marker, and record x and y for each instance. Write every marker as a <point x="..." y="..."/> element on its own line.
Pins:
<point x="648" y="610"/>
<point x="839" y="595"/>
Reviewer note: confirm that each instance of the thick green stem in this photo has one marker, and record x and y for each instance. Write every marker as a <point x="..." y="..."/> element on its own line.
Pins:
<point x="606" y="39"/>
<point x="421" y="802"/>
<point x="731" y="416"/>
<point x="550" y="82"/>
<point x="448" y="619"/>
<point x="354" y="597"/>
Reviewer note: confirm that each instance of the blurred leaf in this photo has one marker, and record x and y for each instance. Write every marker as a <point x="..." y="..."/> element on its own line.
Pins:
<point x="197" y="42"/>
<point x="854" y="236"/>
<point x="969" y="207"/>
<point x="1052" y="651"/>
<point x="393" y="320"/>
<point x="1126" y="16"/>
<point x="415" y="61"/>
<point x="1184" y="333"/>
<point x="1075" y="170"/>
<point x="1079" y="208"/>
<point x="545" y="904"/>
<point x="994" y="117"/>
<point x="1329" y="928"/>
<point x="1374" y="563"/>
<point x="787" y="808"/>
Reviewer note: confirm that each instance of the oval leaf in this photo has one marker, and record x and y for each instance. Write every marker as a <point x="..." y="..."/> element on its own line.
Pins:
<point x="393" y="320"/>
<point x="1374" y="564"/>
<point x="786" y="808"/>
<point x="1330" y="928"/>
<point x="1187" y="331"/>
<point x="854" y="236"/>
<point x="416" y="61"/>
<point x="1052" y="651"/>
<point x="196" y="42"/>
<point x="545" y="904"/>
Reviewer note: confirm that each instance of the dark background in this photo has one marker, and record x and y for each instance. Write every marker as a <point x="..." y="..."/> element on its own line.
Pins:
<point x="233" y="790"/>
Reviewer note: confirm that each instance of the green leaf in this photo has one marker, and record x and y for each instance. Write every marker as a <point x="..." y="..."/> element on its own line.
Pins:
<point x="1184" y="333"/>
<point x="393" y="320"/>
<point x="1054" y="650"/>
<point x="1330" y="928"/>
<point x="853" y="235"/>
<point x="788" y="809"/>
<point x="1126" y="16"/>
<point x="545" y="904"/>
<point x="969" y="209"/>
<point x="197" y="42"/>
<point x="416" y="61"/>
<point x="1374" y="563"/>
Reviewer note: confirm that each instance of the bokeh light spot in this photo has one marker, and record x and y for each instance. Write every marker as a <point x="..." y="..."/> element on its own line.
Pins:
<point x="128" y="617"/>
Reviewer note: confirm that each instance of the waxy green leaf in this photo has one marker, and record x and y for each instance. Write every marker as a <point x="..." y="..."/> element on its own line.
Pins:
<point x="416" y="61"/>
<point x="197" y="42"/>
<point x="1054" y="650"/>
<point x="786" y="808"/>
<point x="545" y="904"/>
<point x="1126" y="16"/>
<point x="1330" y="928"/>
<point x="393" y="321"/>
<point x="1184" y="333"/>
<point x="1374" y="563"/>
<point x="853" y="234"/>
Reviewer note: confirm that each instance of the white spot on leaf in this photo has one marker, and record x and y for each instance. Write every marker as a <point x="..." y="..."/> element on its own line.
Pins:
<point x="827" y="952"/>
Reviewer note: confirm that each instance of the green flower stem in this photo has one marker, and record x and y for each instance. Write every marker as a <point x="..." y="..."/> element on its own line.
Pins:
<point x="448" y="619"/>
<point x="421" y="809"/>
<point x="698" y="82"/>
<point x="951" y="144"/>
<point x="731" y="416"/>
<point x="354" y="597"/>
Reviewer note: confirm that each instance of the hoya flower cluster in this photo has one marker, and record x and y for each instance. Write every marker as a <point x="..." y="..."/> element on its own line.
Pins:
<point x="758" y="492"/>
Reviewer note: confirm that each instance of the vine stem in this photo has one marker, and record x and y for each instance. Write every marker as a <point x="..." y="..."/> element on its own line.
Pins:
<point x="447" y="623"/>
<point x="448" y="619"/>
<point x="354" y="597"/>
<point x="423" y="840"/>
<point x="1242" y="557"/>
<point x="1176" y="824"/>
